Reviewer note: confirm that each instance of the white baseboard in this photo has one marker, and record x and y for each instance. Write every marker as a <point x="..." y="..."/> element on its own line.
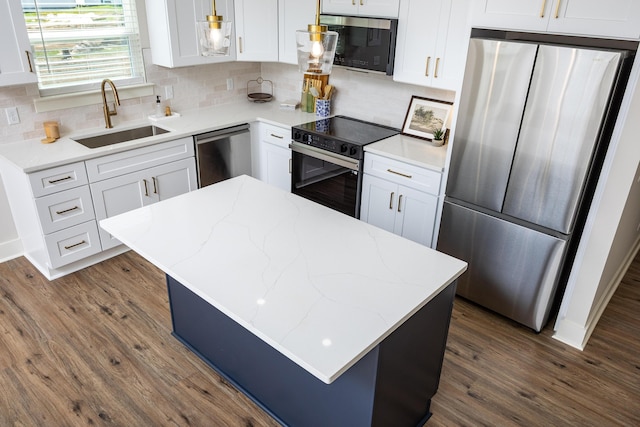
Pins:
<point x="10" y="250"/>
<point x="577" y="335"/>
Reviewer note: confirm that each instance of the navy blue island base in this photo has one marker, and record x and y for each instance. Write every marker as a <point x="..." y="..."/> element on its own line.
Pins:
<point x="392" y="385"/>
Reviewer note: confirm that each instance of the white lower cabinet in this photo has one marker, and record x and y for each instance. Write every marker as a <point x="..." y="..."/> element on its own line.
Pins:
<point x="56" y="211"/>
<point x="275" y="155"/>
<point x="131" y="191"/>
<point x="400" y="198"/>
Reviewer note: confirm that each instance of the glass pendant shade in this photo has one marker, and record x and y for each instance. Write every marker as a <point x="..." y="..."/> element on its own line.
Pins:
<point x="316" y="48"/>
<point x="214" y="34"/>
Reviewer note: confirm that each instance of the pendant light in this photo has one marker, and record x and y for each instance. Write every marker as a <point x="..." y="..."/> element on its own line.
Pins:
<point x="214" y="34"/>
<point x="316" y="47"/>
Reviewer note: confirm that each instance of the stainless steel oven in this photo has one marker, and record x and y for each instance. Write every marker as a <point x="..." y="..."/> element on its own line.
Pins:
<point x="327" y="160"/>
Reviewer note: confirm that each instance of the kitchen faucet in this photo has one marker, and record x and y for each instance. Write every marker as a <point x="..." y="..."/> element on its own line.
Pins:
<point x="105" y="107"/>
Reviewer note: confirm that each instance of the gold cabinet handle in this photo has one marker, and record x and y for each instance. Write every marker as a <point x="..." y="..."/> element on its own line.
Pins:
<point x="426" y="70"/>
<point x="435" y="72"/>
<point x="29" y="61"/>
<point x="146" y="190"/>
<point x="544" y="4"/>
<point x="290" y="164"/>
<point x="391" y="200"/>
<point x="557" y="9"/>
<point x="53" y="181"/>
<point x="361" y="2"/>
<point x="67" y="210"/>
<point x="75" y="244"/>
<point x="277" y="136"/>
<point x="399" y="203"/>
<point x="399" y="173"/>
<point x="155" y="185"/>
<point x="353" y="2"/>
<point x="240" y="44"/>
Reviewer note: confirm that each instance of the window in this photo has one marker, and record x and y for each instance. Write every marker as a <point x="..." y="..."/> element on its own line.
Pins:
<point x="78" y="43"/>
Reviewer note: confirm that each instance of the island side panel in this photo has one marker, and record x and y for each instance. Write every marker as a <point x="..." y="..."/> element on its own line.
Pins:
<point x="410" y="363"/>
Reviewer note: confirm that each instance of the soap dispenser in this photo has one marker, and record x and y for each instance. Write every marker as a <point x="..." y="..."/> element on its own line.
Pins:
<point x="159" y="111"/>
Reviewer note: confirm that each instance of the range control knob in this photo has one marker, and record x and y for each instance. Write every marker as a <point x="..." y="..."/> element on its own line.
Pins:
<point x="343" y="148"/>
<point x="296" y="136"/>
<point x="353" y="150"/>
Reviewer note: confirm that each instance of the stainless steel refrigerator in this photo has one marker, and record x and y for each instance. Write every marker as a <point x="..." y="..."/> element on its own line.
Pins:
<point x="532" y="129"/>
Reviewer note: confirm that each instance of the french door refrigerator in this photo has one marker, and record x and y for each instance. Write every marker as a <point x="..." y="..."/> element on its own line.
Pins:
<point x="532" y="132"/>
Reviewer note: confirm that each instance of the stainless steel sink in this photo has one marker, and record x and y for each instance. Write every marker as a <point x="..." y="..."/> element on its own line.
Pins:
<point x="120" y="136"/>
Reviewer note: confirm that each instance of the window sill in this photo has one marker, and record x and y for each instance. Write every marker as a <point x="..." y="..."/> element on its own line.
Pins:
<point x="81" y="99"/>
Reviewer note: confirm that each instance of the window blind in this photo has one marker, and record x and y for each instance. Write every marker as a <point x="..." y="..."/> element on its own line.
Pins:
<point x="78" y="43"/>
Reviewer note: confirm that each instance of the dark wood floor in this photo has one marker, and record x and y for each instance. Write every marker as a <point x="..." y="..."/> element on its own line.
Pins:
<point x="95" y="348"/>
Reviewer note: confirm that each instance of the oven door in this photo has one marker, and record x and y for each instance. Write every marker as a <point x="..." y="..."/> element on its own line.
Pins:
<point x="326" y="178"/>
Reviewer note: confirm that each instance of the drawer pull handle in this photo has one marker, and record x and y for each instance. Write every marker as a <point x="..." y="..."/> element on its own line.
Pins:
<point x="146" y="189"/>
<point x="75" y="244"/>
<point x="399" y="173"/>
<point x="435" y="72"/>
<point x="399" y="203"/>
<point x="557" y="9"/>
<point x="426" y="69"/>
<point x="391" y="200"/>
<point x="155" y="185"/>
<point x="53" y="181"/>
<point x="67" y="210"/>
<point x="277" y="136"/>
<point x="544" y="3"/>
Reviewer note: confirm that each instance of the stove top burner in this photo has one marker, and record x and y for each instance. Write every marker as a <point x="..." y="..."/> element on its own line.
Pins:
<point x="342" y="135"/>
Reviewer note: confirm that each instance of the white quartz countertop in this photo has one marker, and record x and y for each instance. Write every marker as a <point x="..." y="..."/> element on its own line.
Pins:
<point x="411" y="150"/>
<point x="320" y="287"/>
<point x="32" y="155"/>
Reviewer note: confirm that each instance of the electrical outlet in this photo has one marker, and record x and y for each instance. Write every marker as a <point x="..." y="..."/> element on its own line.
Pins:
<point x="168" y="92"/>
<point x="229" y="83"/>
<point x="12" y="115"/>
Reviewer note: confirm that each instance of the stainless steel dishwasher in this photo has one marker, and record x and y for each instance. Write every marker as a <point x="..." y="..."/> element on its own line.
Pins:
<point x="223" y="153"/>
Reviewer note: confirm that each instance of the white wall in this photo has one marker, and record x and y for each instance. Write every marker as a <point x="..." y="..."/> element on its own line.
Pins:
<point x="611" y="235"/>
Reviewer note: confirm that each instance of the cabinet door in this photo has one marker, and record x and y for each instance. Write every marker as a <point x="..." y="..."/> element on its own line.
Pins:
<point x="293" y="15"/>
<point x="528" y="15"/>
<point x="620" y="18"/>
<point x="257" y="30"/>
<point x="15" y="51"/>
<point x="416" y="215"/>
<point x="432" y="55"/>
<point x="173" y="179"/>
<point x="276" y="166"/>
<point x="387" y="8"/>
<point x="118" y="195"/>
<point x="378" y="203"/>
<point x="172" y="31"/>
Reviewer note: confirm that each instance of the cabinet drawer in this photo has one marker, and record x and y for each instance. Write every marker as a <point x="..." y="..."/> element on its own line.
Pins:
<point x="65" y="209"/>
<point x="57" y="179"/>
<point x="72" y="244"/>
<point x="140" y="158"/>
<point x="276" y="135"/>
<point x="402" y="173"/>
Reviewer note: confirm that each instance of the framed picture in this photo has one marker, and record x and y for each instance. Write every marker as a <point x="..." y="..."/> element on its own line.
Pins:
<point x="426" y="115"/>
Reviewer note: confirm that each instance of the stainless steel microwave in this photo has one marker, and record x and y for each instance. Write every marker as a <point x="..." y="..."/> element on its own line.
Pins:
<point x="364" y="43"/>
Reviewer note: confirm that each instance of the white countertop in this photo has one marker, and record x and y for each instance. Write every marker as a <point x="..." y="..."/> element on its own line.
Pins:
<point x="411" y="150"/>
<point x="320" y="287"/>
<point x="32" y="155"/>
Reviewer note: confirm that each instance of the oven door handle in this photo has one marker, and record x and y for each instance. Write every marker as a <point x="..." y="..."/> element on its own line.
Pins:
<point x="327" y="156"/>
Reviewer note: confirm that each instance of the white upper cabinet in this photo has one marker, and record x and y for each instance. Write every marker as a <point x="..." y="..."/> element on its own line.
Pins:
<point x="386" y="8"/>
<point x="432" y="52"/>
<point x="15" y="51"/>
<point x="293" y="15"/>
<point x="172" y="31"/>
<point x="615" y="18"/>
<point x="257" y="30"/>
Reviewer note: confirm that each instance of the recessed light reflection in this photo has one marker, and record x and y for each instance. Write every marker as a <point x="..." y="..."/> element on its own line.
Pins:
<point x="261" y="301"/>
<point x="326" y="342"/>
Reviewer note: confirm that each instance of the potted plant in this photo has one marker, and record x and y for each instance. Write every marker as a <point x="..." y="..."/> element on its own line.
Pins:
<point x="438" y="137"/>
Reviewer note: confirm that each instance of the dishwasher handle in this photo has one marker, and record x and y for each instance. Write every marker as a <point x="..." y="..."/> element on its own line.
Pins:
<point x="216" y="135"/>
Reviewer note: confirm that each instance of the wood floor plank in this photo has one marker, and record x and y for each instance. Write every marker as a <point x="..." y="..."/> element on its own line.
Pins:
<point x="95" y="348"/>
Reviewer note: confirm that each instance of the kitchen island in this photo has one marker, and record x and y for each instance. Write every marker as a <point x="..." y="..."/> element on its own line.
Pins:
<point x="320" y="318"/>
